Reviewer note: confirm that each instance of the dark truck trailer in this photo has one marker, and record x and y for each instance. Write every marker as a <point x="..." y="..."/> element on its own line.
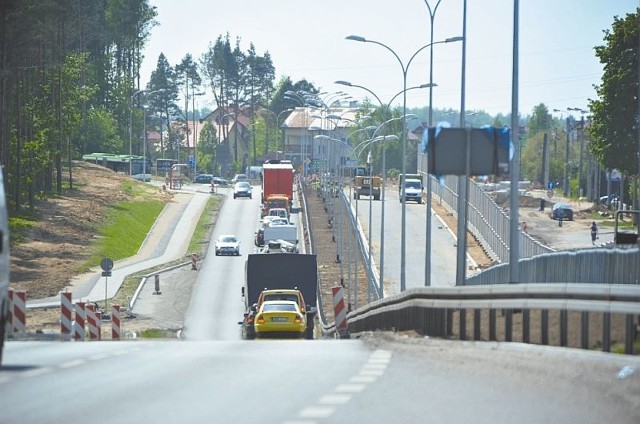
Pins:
<point x="280" y="271"/>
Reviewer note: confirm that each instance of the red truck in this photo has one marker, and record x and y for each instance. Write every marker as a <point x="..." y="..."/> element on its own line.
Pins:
<point x="277" y="181"/>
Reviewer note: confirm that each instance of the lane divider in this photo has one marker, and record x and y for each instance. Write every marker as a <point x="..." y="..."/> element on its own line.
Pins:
<point x="328" y="404"/>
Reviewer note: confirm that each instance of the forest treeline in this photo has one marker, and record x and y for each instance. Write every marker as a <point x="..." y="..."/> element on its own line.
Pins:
<point x="67" y="71"/>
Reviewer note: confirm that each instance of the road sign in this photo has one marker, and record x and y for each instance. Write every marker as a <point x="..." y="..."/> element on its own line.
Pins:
<point x="489" y="150"/>
<point x="106" y="264"/>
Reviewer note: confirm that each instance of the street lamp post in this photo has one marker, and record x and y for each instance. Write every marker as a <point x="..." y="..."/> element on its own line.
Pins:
<point x="195" y="129"/>
<point x="148" y="92"/>
<point x="144" y="142"/>
<point x="131" y="128"/>
<point x="384" y="139"/>
<point x="277" y="117"/>
<point x="292" y="95"/>
<point x="405" y="69"/>
<point x="385" y="111"/>
<point x="580" y="137"/>
<point x="221" y="125"/>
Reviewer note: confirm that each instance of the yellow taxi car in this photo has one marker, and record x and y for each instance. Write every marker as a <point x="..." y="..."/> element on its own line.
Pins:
<point x="294" y="295"/>
<point x="280" y="318"/>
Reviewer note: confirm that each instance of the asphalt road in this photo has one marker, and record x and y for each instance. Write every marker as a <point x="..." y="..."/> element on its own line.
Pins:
<point x="443" y="242"/>
<point x="213" y="376"/>
<point x="381" y="380"/>
<point x="216" y="305"/>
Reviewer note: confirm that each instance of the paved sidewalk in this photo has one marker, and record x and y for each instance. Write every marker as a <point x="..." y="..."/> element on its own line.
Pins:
<point x="167" y="241"/>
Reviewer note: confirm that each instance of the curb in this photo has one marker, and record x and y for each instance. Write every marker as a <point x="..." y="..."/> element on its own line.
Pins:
<point x="143" y="280"/>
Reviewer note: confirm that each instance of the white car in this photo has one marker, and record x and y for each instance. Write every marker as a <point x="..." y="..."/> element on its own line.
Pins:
<point x="228" y="245"/>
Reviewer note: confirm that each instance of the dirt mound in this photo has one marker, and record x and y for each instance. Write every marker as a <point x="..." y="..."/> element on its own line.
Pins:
<point x="54" y="250"/>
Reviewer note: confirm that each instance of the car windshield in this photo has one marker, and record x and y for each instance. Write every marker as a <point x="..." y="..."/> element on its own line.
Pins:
<point x="413" y="184"/>
<point x="271" y="307"/>
<point x="275" y="296"/>
<point x="228" y="239"/>
<point x="277" y="203"/>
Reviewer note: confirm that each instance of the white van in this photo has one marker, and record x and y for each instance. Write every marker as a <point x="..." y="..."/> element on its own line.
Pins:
<point x="412" y="191"/>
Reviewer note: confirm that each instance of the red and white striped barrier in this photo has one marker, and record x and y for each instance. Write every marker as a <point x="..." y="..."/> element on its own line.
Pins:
<point x="81" y="316"/>
<point x="116" y="331"/>
<point x="19" y="318"/>
<point x="9" y="326"/>
<point x="91" y="322"/>
<point x="66" y="308"/>
<point x="339" y="308"/>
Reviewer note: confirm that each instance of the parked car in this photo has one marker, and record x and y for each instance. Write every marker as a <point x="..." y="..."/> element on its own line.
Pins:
<point x="219" y="181"/>
<point x="242" y="189"/>
<point x="562" y="211"/>
<point x="227" y="244"/>
<point x="203" y="179"/>
<point x="239" y="177"/>
<point x="609" y="201"/>
<point x="142" y="177"/>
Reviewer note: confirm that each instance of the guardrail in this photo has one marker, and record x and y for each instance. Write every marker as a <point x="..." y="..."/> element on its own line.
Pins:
<point x="436" y="311"/>
<point x="487" y="221"/>
<point x="594" y="266"/>
<point x="361" y="247"/>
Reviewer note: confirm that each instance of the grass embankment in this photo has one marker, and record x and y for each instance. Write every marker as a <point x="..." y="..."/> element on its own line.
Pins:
<point x="127" y="226"/>
<point x="199" y="244"/>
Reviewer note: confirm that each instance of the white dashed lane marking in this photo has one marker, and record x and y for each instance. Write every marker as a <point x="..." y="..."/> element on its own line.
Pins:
<point x="350" y="388"/>
<point x="36" y="372"/>
<point x="343" y="393"/>
<point x="71" y="364"/>
<point x="334" y="399"/>
<point x="317" y="412"/>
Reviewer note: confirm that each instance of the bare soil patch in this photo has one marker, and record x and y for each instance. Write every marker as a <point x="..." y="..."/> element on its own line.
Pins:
<point x="56" y="248"/>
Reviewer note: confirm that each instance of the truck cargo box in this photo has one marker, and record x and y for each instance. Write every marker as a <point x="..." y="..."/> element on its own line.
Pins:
<point x="281" y="271"/>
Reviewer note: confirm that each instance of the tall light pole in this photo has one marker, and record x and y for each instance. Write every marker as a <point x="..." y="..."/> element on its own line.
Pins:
<point x="565" y="183"/>
<point x="581" y="140"/>
<point x="432" y="16"/>
<point x="131" y="121"/>
<point x="195" y="129"/>
<point x="514" y="169"/>
<point x="292" y="95"/>
<point x="427" y="256"/>
<point x="463" y="180"/>
<point x="405" y="69"/>
<point x="277" y="118"/>
<point x="131" y="128"/>
<point x="221" y="123"/>
<point x="144" y="142"/>
<point x="383" y="139"/>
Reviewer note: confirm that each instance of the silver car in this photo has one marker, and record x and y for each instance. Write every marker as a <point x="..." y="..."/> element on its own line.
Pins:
<point x="242" y="189"/>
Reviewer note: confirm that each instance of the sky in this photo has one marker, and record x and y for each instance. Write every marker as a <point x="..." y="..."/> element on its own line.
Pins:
<point x="306" y="40"/>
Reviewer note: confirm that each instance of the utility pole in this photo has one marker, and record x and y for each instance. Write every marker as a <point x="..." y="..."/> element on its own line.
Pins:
<point x="581" y="138"/>
<point x="545" y="160"/>
<point x="565" y="185"/>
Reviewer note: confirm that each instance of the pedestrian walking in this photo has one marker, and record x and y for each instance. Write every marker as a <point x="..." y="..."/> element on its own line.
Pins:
<point x="594" y="232"/>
